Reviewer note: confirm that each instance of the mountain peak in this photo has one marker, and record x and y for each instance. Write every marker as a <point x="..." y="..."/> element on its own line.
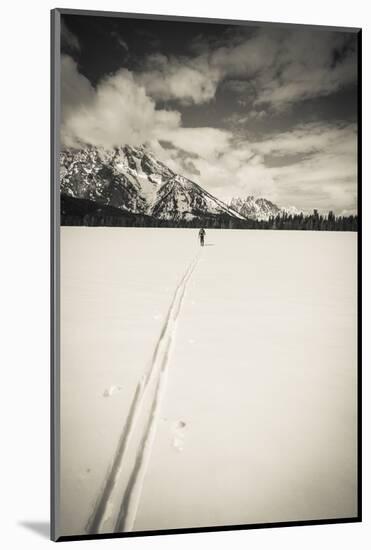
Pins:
<point x="260" y="209"/>
<point x="257" y="209"/>
<point x="133" y="179"/>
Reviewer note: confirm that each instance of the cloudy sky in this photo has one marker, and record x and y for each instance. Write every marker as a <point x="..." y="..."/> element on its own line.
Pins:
<point x="242" y="110"/>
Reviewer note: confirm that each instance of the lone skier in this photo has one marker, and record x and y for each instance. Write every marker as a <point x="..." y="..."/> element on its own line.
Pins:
<point x="201" y="235"/>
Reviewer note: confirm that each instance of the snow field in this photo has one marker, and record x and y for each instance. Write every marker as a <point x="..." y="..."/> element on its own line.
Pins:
<point x="257" y="421"/>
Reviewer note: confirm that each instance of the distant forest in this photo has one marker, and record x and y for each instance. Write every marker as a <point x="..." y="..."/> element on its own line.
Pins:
<point x="89" y="213"/>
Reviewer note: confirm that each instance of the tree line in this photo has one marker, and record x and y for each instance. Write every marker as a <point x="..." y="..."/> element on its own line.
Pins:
<point x="89" y="213"/>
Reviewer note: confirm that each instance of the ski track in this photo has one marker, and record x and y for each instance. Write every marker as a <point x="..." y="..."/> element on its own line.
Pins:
<point x="158" y="366"/>
<point x="100" y="509"/>
<point x="129" y="506"/>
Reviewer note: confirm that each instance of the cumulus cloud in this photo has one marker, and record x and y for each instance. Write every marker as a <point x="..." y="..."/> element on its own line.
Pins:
<point x="309" y="65"/>
<point x="187" y="80"/>
<point x="248" y="58"/>
<point x="195" y="79"/>
<point x="76" y="90"/>
<point x="311" y="138"/>
<point x="116" y="112"/>
<point x="269" y="67"/>
<point x="207" y="143"/>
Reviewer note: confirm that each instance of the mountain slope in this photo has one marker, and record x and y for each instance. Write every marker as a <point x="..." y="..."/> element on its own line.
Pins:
<point x="181" y="198"/>
<point x="125" y="177"/>
<point x="260" y="209"/>
<point x="131" y="178"/>
<point x="256" y="209"/>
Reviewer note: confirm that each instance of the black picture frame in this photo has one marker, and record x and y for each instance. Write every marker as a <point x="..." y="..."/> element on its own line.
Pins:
<point x="55" y="274"/>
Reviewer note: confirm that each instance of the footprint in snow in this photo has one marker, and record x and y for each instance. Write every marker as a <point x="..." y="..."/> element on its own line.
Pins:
<point x="179" y="432"/>
<point x="108" y="392"/>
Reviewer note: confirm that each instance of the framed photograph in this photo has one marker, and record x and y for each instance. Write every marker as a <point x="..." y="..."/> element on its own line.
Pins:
<point x="206" y="209"/>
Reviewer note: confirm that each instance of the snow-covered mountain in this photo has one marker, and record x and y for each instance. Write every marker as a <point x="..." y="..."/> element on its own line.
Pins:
<point x="260" y="209"/>
<point x="131" y="178"/>
<point x="256" y="209"/>
<point x="181" y="197"/>
<point x="291" y="210"/>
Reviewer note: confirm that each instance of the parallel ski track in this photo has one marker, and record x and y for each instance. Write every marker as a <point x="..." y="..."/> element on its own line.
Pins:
<point x="158" y="373"/>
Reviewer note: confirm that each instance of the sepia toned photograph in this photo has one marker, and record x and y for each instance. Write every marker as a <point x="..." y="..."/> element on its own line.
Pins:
<point x="207" y="204"/>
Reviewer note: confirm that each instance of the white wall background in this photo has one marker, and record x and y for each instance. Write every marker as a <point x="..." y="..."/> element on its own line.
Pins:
<point x="24" y="253"/>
